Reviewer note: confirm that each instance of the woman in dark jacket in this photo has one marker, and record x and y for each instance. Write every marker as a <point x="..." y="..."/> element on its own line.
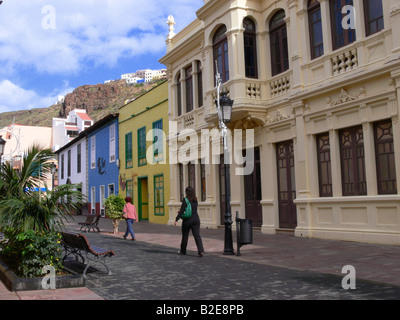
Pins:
<point x="192" y="223"/>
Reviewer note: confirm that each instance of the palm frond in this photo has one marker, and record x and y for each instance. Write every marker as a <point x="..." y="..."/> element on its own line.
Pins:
<point x="22" y="209"/>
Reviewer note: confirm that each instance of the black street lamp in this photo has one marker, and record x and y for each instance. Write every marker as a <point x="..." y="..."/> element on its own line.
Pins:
<point x="224" y="108"/>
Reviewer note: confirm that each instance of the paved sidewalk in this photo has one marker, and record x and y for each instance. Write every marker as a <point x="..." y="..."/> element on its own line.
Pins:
<point x="59" y="294"/>
<point x="285" y="255"/>
<point x="374" y="262"/>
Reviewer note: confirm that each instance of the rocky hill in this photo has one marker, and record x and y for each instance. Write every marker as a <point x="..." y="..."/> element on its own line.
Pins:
<point x="98" y="100"/>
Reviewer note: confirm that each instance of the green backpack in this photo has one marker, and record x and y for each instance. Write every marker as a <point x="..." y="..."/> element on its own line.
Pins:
<point x="188" y="211"/>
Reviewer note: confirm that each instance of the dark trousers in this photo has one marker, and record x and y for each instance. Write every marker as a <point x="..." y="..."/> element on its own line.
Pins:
<point x="193" y="223"/>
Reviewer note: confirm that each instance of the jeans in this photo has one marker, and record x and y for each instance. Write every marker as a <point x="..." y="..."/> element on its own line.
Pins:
<point x="129" y="228"/>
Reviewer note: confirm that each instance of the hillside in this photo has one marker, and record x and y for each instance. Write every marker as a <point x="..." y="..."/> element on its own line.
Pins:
<point x="98" y="100"/>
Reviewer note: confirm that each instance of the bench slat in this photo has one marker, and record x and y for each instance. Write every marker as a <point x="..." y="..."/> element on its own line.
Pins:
<point x="80" y="242"/>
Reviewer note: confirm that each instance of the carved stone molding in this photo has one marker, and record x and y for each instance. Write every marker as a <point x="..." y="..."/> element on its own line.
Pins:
<point x="345" y="97"/>
<point x="395" y="9"/>
<point x="248" y="122"/>
<point x="279" y="116"/>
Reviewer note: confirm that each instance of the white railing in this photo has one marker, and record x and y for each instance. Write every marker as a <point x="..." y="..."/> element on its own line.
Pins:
<point x="253" y="90"/>
<point x="189" y="121"/>
<point x="280" y="86"/>
<point x="344" y="61"/>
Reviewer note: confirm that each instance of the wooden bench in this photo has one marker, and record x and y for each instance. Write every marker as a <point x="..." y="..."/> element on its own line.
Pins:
<point x="78" y="246"/>
<point x="90" y="223"/>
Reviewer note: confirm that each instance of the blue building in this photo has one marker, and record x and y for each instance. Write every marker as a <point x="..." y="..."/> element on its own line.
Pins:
<point x="103" y="162"/>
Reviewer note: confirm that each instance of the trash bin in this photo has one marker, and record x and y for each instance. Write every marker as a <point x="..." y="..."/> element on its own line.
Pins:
<point x="244" y="232"/>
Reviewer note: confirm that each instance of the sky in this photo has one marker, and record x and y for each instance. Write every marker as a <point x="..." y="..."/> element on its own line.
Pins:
<point x="50" y="47"/>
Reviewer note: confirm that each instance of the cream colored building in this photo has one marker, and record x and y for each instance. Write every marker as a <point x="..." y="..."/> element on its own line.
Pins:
<point x="321" y="90"/>
<point x="19" y="139"/>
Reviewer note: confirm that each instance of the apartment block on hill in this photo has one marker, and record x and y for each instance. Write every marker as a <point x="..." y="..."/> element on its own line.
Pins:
<point x="145" y="75"/>
<point x="65" y="130"/>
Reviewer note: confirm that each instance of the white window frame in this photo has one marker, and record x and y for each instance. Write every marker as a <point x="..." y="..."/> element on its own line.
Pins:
<point x="93" y="200"/>
<point x="112" y="143"/>
<point x="102" y="200"/>
<point x="108" y="191"/>
<point x="93" y="152"/>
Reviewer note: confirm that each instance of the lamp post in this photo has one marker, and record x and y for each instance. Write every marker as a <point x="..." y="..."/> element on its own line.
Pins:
<point x="53" y="171"/>
<point x="224" y="109"/>
<point x="2" y="146"/>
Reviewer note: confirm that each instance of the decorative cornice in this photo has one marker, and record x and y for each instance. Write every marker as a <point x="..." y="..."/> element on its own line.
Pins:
<point x="279" y="116"/>
<point x="248" y="122"/>
<point x="345" y="97"/>
<point x="395" y="9"/>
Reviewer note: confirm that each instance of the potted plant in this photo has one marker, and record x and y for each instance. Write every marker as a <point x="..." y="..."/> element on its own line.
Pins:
<point x="114" y="205"/>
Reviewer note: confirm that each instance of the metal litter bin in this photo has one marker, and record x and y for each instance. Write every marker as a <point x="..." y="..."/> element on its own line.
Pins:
<point x="244" y="232"/>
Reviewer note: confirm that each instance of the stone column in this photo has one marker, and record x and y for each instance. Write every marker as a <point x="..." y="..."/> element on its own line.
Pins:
<point x="394" y="105"/>
<point x="335" y="163"/>
<point x="195" y="92"/>
<point x="269" y="182"/>
<point x="369" y="158"/>
<point x="326" y="35"/>
<point x="294" y="45"/>
<point x="301" y="166"/>
<point x="394" y="11"/>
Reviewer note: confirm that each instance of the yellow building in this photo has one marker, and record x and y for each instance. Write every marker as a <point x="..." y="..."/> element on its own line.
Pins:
<point x="144" y="168"/>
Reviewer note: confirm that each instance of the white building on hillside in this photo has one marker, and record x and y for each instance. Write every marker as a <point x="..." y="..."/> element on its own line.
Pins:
<point x="65" y="130"/>
<point x="134" y="80"/>
<point x="127" y="76"/>
<point x="147" y="74"/>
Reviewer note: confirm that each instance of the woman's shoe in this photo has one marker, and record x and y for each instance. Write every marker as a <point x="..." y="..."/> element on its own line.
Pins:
<point x="201" y="254"/>
<point x="133" y="239"/>
<point x="124" y="237"/>
<point x="180" y="252"/>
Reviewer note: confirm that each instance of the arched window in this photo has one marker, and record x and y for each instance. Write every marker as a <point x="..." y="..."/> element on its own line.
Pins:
<point x="279" y="45"/>
<point x="315" y="29"/>
<point x="373" y="13"/>
<point x="220" y="46"/>
<point x="250" y="48"/>
<point x="199" y="85"/>
<point x="179" y="94"/>
<point x="340" y="36"/>
<point x="189" y="88"/>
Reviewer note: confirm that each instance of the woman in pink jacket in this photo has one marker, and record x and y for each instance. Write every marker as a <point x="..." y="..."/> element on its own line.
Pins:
<point x="131" y="216"/>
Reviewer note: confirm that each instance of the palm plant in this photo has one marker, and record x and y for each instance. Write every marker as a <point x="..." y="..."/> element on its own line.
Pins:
<point x="22" y="208"/>
<point x="31" y="219"/>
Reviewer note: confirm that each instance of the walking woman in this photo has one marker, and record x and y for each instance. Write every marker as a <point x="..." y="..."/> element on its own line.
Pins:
<point x="131" y="216"/>
<point x="191" y="223"/>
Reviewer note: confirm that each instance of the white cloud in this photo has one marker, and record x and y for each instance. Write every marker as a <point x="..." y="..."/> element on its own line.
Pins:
<point x="86" y="32"/>
<point x="13" y="97"/>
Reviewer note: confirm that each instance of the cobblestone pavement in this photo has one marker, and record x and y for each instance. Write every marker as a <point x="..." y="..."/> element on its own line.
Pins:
<point x="274" y="267"/>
